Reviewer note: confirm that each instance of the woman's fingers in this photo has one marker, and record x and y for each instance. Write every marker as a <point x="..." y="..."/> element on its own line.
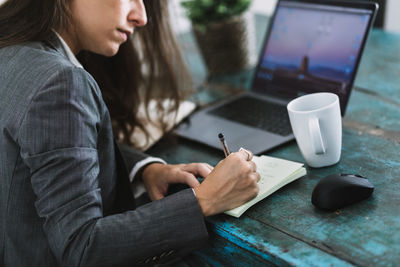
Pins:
<point x="209" y="166"/>
<point x="187" y="178"/>
<point x="256" y="176"/>
<point x="253" y="166"/>
<point x="156" y="195"/>
<point x="202" y="169"/>
<point x="246" y="154"/>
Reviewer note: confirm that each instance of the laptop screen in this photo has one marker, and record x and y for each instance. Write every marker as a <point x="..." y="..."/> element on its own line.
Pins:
<point x="311" y="48"/>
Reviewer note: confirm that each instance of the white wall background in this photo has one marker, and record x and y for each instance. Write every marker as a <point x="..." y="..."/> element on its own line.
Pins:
<point x="392" y="13"/>
<point x="392" y="16"/>
<point x="182" y="24"/>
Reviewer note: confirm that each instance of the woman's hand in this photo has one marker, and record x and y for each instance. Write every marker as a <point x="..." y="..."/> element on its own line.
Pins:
<point x="157" y="177"/>
<point x="232" y="183"/>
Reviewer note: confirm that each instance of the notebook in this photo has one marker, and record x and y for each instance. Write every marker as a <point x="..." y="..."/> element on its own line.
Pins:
<point x="275" y="173"/>
<point x="309" y="47"/>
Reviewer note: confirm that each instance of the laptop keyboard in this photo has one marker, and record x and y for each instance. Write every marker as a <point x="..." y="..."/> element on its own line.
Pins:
<point x="256" y="113"/>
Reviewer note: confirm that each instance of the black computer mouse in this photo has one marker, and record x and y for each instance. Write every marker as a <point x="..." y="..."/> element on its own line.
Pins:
<point x="339" y="190"/>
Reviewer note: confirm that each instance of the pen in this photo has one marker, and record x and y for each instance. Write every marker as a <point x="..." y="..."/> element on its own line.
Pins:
<point x="224" y="145"/>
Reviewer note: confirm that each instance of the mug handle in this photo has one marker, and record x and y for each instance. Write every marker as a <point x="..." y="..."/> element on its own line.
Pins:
<point x="316" y="138"/>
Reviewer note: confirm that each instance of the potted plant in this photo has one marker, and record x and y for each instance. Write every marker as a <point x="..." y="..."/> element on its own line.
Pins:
<point x="220" y="29"/>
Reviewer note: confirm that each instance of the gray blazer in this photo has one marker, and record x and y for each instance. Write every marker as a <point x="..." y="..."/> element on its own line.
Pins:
<point x="59" y="177"/>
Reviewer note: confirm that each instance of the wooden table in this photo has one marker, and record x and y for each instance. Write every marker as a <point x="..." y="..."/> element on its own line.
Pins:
<point x="285" y="228"/>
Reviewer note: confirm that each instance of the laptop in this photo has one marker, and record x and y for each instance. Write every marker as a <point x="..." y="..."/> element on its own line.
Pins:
<point x="310" y="46"/>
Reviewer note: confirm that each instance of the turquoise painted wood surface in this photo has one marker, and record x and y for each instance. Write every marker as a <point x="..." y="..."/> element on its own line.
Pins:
<point x="285" y="228"/>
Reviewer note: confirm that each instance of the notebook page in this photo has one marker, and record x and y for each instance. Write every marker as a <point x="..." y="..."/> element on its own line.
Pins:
<point x="275" y="173"/>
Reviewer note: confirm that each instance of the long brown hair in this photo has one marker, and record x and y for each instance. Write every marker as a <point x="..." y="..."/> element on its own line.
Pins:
<point x="148" y="66"/>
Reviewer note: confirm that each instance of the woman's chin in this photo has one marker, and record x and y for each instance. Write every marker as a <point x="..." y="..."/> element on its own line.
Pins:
<point x="109" y="51"/>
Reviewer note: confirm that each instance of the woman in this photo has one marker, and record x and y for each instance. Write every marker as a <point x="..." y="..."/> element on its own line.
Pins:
<point x="64" y="195"/>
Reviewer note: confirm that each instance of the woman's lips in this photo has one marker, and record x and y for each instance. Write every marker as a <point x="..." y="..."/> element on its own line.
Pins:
<point x="125" y="34"/>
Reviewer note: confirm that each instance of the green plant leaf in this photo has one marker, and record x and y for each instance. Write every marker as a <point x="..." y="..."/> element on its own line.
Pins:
<point x="203" y="12"/>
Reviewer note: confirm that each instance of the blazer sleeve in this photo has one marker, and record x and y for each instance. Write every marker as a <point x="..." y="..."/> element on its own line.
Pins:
<point x="135" y="161"/>
<point x="131" y="156"/>
<point x="58" y="138"/>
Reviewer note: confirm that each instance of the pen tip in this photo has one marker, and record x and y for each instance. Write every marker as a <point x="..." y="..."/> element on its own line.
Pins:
<point x="220" y="136"/>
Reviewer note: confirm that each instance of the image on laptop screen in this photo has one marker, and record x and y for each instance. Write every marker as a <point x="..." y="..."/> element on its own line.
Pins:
<point x="308" y="50"/>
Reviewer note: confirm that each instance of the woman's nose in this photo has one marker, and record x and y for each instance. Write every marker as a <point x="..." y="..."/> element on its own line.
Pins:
<point x="138" y="15"/>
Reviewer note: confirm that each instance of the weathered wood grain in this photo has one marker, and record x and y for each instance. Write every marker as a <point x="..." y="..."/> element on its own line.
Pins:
<point x="285" y="228"/>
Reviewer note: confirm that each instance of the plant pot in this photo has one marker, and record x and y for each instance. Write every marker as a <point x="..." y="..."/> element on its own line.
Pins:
<point x="227" y="46"/>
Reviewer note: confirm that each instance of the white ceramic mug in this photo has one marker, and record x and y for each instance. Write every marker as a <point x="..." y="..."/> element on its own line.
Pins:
<point x="317" y="126"/>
